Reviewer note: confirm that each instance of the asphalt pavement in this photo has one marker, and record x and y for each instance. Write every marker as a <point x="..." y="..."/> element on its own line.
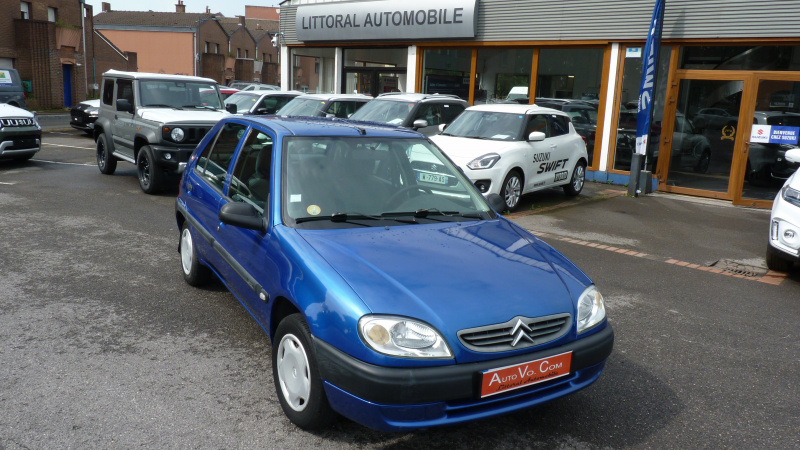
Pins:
<point x="102" y="344"/>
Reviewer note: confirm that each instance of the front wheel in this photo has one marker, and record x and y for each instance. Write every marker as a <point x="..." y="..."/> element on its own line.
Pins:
<point x="105" y="162"/>
<point x="512" y="190"/>
<point x="150" y="177"/>
<point x="575" y="185"/>
<point x="296" y="376"/>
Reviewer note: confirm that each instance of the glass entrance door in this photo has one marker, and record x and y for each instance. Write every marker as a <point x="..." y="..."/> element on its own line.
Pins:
<point x="372" y="81"/>
<point x="702" y="147"/>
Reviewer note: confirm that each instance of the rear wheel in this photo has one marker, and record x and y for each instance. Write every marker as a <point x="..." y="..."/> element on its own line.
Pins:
<point x="105" y="162"/>
<point x="297" y="380"/>
<point x="776" y="261"/>
<point x="194" y="273"/>
<point x="150" y="177"/>
<point x="575" y="185"/>
<point x="512" y="189"/>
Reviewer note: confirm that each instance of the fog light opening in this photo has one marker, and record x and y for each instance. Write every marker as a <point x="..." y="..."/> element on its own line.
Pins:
<point x="167" y="156"/>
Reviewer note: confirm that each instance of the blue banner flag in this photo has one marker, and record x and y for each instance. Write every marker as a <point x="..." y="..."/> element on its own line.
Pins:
<point x="649" y="64"/>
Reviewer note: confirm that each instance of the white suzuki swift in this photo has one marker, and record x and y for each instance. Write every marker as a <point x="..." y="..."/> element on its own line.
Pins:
<point x="783" y="249"/>
<point x="512" y="150"/>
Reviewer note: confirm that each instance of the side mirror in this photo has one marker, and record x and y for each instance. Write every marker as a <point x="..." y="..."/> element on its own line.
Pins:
<point x="536" y="136"/>
<point x="793" y="155"/>
<point x="242" y="215"/>
<point x="419" y="123"/>
<point x="496" y="202"/>
<point x="231" y="108"/>
<point x="442" y="126"/>
<point x="330" y="115"/>
<point x="261" y="111"/>
<point x="124" y="106"/>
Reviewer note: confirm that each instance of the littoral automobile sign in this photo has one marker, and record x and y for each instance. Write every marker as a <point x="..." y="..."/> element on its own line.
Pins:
<point x="386" y="20"/>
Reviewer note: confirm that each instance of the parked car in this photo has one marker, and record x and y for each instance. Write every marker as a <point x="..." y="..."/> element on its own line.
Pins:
<point x="227" y="92"/>
<point x="421" y="112"/>
<point x="154" y="121"/>
<point x="325" y="105"/>
<point x="512" y="149"/>
<point x="766" y="163"/>
<point x="259" y="102"/>
<point x="783" y="249"/>
<point x="714" y="118"/>
<point x="357" y="270"/>
<point x="253" y="86"/>
<point x="20" y="133"/>
<point x="84" y="114"/>
<point x="11" y="89"/>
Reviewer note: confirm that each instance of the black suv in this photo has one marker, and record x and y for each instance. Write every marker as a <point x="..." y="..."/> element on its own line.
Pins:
<point x="421" y="112"/>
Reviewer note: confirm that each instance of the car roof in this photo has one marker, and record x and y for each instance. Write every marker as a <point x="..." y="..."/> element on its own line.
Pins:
<point x="154" y="76"/>
<point x="323" y="126"/>
<point x="417" y="97"/>
<point x="267" y="93"/>
<point x="336" y="97"/>
<point x="515" y="108"/>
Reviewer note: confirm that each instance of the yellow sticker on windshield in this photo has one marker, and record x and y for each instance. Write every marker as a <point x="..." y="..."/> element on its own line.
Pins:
<point x="313" y="210"/>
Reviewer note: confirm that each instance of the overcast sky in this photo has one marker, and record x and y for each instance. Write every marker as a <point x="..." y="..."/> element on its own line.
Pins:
<point x="229" y="8"/>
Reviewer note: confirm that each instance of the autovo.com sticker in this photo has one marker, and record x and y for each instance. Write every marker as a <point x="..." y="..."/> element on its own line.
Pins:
<point x="513" y="377"/>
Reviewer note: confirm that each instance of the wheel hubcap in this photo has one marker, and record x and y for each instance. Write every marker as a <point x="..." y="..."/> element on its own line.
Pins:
<point x="101" y="155"/>
<point x="144" y="170"/>
<point x="512" y="192"/>
<point x="577" y="182"/>
<point x="293" y="372"/>
<point x="186" y="251"/>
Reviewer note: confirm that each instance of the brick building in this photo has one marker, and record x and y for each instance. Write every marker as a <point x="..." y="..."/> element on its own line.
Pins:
<point x="44" y="41"/>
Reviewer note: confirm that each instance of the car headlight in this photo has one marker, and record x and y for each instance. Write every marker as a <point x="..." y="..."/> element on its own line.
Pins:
<point x="177" y="134"/>
<point x="93" y="112"/>
<point x="591" y="309"/>
<point x="791" y="195"/>
<point x="404" y="337"/>
<point x="484" y="162"/>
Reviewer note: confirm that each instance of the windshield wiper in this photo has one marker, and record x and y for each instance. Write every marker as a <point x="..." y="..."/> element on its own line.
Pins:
<point x="350" y="217"/>
<point x="159" y="105"/>
<point x="426" y="214"/>
<point x="200" y="107"/>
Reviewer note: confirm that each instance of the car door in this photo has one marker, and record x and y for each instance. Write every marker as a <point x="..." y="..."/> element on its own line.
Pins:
<point x="250" y="182"/>
<point x="123" y="127"/>
<point x="204" y="189"/>
<point x="561" y="144"/>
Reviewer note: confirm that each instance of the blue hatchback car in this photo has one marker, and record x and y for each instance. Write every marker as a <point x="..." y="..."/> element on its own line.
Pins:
<point x="391" y="290"/>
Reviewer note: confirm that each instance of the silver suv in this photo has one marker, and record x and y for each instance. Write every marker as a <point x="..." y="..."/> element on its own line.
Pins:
<point x="154" y="121"/>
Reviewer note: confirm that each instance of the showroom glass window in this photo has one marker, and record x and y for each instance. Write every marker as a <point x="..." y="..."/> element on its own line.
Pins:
<point x="500" y="72"/>
<point x="375" y="71"/>
<point x="312" y="70"/>
<point x="736" y="57"/>
<point x="569" y="79"/>
<point x="446" y="71"/>
<point x="629" y="98"/>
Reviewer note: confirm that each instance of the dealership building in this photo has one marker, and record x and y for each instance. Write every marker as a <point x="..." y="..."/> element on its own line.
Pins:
<point x="726" y="69"/>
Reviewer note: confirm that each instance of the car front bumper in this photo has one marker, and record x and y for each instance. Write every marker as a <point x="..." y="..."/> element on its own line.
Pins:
<point x="20" y="143"/>
<point x="172" y="159"/>
<point x="784" y="229"/>
<point x="397" y="399"/>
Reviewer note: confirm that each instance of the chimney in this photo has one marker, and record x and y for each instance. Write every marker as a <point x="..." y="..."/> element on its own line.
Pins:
<point x="241" y="20"/>
<point x="106" y="6"/>
<point x="208" y="10"/>
<point x="180" y="7"/>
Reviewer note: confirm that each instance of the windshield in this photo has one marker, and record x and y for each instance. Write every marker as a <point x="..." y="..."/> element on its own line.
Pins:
<point x="243" y="101"/>
<point x="487" y="125"/>
<point x="303" y="107"/>
<point x="384" y="111"/>
<point x="362" y="181"/>
<point x="179" y="94"/>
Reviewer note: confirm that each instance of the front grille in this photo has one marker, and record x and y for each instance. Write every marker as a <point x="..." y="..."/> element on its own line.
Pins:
<point x="519" y="332"/>
<point x="17" y="122"/>
<point x="195" y="134"/>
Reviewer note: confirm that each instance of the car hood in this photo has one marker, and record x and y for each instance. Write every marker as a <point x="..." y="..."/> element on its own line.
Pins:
<point x="463" y="150"/>
<point x="169" y="115"/>
<point x="449" y="275"/>
<point x="7" y="110"/>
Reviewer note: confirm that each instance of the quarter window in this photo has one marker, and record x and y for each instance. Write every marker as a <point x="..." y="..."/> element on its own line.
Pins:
<point x="559" y="125"/>
<point x="213" y="163"/>
<point x="108" y="92"/>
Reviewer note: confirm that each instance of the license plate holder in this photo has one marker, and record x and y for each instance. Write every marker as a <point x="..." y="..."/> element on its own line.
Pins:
<point x="509" y="378"/>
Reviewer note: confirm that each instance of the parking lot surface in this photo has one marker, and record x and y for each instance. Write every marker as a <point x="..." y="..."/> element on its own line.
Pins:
<point x="102" y="344"/>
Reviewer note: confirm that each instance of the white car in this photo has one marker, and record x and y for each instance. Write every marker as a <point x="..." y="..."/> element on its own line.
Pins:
<point x="784" y="230"/>
<point x="512" y="150"/>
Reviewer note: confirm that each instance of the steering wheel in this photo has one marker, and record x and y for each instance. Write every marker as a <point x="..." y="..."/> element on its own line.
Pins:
<point x="414" y="188"/>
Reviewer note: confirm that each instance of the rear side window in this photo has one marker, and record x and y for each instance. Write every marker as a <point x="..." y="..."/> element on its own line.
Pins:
<point x="108" y="92"/>
<point x="559" y="125"/>
<point x="213" y="163"/>
<point x="343" y="109"/>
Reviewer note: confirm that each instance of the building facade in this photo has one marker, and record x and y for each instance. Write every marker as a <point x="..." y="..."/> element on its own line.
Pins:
<point x="724" y="66"/>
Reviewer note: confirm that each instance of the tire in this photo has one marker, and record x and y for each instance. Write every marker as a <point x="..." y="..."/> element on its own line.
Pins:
<point x="776" y="261"/>
<point x="105" y="162"/>
<point x="296" y="376"/>
<point x="575" y="185"/>
<point x="151" y="180"/>
<point x="511" y="190"/>
<point x="704" y="162"/>
<point x="194" y="273"/>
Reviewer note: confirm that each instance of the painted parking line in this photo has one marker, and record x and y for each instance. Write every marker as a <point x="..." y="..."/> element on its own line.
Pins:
<point x="771" y="277"/>
<point x="64" y="163"/>
<point x="67" y="146"/>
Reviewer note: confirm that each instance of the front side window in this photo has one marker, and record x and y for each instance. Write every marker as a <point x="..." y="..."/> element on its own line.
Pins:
<point x="250" y="182"/>
<point x="213" y="162"/>
<point x="125" y="91"/>
<point x="179" y="94"/>
<point x="331" y="182"/>
<point x="429" y="112"/>
<point x="487" y="125"/>
<point x="343" y="109"/>
<point x="304" y="107"/>
<point x="244" y="101"/>
<point x="559" y="125"/>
